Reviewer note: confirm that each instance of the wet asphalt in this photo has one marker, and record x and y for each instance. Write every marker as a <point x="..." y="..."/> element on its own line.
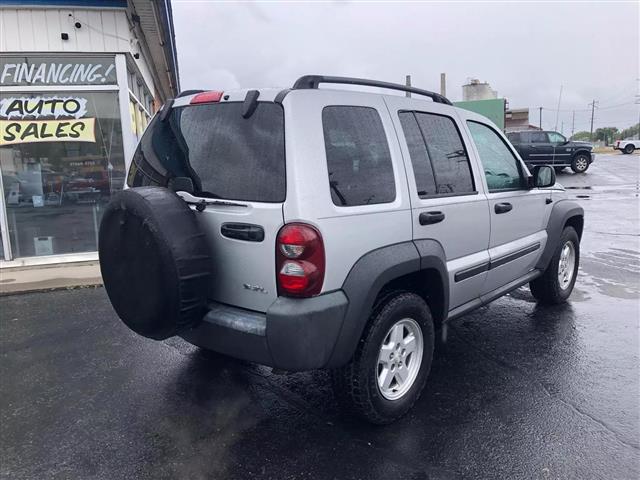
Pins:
<point x="517" y="391"/>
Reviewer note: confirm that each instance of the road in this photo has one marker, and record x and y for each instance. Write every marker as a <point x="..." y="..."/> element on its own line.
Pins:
<point x="517" y="391"/>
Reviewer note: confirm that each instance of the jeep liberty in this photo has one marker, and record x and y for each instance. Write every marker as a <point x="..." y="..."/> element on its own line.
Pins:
<point x="315" y="228"/>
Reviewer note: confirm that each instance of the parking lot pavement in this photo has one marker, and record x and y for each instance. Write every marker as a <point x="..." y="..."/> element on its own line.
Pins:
<point x="516" y="391"/>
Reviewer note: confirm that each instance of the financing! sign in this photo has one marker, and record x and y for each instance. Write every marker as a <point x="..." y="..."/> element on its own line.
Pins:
<point x="64" y="121"/>
<point x="16" y="71"/>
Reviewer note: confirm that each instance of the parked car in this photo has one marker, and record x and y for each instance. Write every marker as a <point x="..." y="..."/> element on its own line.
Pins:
<point x="626" y="146"/>
<point x="537" y="147"/>
<point x="312" y="228"/>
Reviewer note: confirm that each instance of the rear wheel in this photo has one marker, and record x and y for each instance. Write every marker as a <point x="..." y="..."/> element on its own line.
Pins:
<point x="580" y="163"/>
<point x="390" y="366"/>
<point x="629" y="148"/>
<point x="555" y="285"/>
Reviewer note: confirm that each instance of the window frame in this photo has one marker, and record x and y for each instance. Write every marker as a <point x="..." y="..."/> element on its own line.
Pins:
<point x="396" y="174"/>
<point x="519" y="162"/>
<point x="464" y="146"/>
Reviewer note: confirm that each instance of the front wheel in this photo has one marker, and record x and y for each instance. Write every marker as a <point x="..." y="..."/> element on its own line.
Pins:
<point x="628" y="149"/>
<point x="580" y="163"/>
<point x="390" y="366"/>
<point x="556" y="283"/>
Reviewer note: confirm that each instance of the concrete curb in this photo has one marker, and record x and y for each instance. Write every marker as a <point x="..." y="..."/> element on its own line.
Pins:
<point x="15" y="281"/>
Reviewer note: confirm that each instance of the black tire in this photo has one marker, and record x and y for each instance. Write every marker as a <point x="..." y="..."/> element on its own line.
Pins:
<point x="155" y="261"/>
<point x="580" y="163"/>
<point x="546" y="288"/>
<point x="356" y="384"/>
<point x="629" y="148"/>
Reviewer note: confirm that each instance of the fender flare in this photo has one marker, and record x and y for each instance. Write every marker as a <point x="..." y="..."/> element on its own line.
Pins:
<point x="579" y="151"/>
<point x="562" y="211"/>
<point x="369" y="275"/>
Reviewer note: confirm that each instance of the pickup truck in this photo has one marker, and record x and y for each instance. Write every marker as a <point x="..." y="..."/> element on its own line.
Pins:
<point x="626" y="146"/>
<point x="538" y="147"/>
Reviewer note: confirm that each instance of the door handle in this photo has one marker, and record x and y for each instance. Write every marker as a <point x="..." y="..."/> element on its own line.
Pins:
<point x="503" y="207"/>
<point x="242" y="231"/>
<point x="428" y="218"/>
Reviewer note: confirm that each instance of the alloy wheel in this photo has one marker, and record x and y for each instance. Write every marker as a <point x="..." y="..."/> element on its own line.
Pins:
<point x="399" y="359"/>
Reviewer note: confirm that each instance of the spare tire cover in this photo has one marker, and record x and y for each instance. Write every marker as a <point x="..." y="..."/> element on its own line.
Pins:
<point x="155" y="261"/>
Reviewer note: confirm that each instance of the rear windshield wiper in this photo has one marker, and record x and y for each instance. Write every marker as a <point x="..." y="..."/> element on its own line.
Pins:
<point x="202" y="203"/>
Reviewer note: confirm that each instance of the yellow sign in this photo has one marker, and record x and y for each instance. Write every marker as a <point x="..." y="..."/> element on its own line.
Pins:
<point x="31" y="131"/>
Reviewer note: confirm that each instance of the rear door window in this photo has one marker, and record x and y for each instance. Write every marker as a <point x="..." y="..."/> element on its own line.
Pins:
<point x="438" y="156"/>
<point x="422" y="169"/>
<point x="227" y="156"/>
<point x="358" y="156"/>
<point x="539" y="137"/>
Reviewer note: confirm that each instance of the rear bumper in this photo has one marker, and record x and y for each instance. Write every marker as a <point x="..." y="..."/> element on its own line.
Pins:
<point x="294" y="334"/>
<point x="593" y="158"/>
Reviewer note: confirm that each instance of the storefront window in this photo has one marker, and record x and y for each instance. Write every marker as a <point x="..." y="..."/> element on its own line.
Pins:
<point x="61" y="158"/>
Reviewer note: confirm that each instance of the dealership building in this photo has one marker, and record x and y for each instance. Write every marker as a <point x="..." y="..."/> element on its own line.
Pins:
<point x="79" y="82"/>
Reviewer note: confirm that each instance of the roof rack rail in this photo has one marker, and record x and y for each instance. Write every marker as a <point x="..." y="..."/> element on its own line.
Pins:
<point x="312" y="82"/>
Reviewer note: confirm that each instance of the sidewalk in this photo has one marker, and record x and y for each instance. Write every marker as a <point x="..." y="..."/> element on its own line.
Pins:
<point x="49" y="277"/>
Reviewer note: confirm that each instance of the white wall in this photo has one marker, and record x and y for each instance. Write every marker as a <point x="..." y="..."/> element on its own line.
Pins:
<point x="102" y="31"/>
<point x="39" y="29"/>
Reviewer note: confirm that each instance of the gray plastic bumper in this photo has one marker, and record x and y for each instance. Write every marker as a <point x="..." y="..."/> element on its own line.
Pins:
<point x="295" y="333"/>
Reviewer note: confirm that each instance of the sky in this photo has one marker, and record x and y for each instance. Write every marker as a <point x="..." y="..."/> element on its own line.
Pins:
<point x="526" y="51"/>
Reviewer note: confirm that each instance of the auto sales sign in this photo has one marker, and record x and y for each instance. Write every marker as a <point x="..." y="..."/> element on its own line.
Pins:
<point x="45" y="119"/>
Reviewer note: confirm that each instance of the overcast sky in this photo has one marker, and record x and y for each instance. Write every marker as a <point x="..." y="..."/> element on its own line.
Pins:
<point x="526" y="51"/>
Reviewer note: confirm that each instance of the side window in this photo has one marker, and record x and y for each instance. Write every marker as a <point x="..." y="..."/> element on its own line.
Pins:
<point x="539" y="137"/>
<point x="358" y="157"/>
<point x="501" y="167"/>
<point x="441" y="155"/>
<point x="422" y="170"/>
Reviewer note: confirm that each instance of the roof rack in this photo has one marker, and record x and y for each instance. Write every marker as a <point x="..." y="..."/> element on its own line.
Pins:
<point x="312" y="82"/>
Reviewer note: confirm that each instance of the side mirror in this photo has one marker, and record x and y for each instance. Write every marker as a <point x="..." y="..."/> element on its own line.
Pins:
<point x="543" y="176"/>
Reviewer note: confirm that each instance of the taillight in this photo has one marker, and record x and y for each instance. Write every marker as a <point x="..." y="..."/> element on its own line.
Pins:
<point x="206" y="97"/>
<point x="299" y="260"/>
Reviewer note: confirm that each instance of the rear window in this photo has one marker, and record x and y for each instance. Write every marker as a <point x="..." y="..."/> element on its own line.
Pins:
<point x="227" y="156"/>
<point x="358" y="157"/>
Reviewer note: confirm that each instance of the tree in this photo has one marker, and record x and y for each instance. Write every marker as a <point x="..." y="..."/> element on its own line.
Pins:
<point x="605" y="134"/>
<point x="584" y="136"/>
<point x="629" y="132"/>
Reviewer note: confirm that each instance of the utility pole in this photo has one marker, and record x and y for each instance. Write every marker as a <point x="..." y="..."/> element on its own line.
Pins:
<point x="408" y="84"/>
<point x="540" y="118"/>
<point x="573" y="122"/>
<point x="593" y="109"/>
<point x="558" y="109"/>
<point x="562" y="127"/>
<point x="443" y="84"/>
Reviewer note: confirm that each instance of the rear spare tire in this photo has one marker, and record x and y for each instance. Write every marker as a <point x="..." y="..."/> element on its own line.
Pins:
<point x="155" y="261"/>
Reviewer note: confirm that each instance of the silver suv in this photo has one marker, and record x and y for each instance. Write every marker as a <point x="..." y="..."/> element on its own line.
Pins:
<point x="313" y="228"/>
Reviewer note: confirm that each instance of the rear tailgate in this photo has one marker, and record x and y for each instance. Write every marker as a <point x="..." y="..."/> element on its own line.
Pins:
<point x="237" y="166"/>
